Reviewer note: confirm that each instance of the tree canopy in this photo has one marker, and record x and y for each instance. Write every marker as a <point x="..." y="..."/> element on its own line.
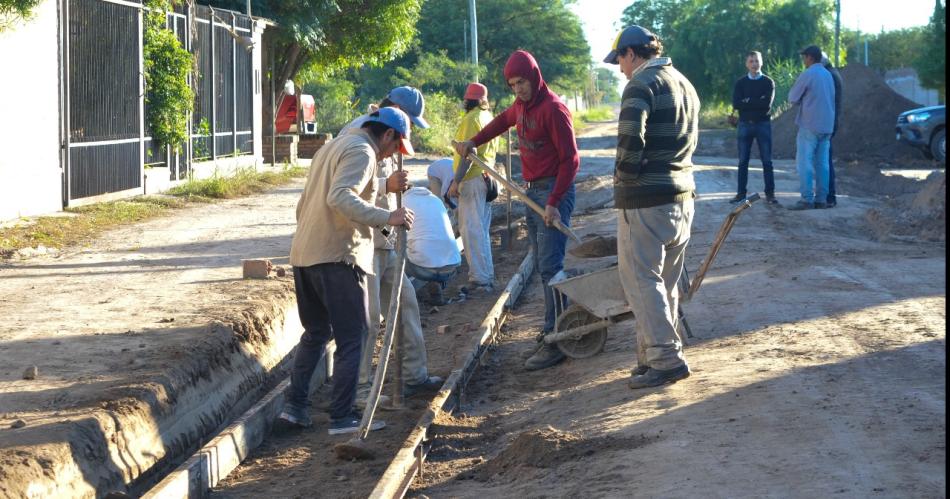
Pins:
<point x="931" y="61"/>
<point x="708" y="39"/>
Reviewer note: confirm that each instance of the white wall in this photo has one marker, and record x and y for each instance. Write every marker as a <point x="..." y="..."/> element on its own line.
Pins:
<point x="30" y="176"/>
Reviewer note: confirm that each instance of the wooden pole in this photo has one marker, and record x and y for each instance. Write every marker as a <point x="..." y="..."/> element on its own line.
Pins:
<point x="401" y="249"/>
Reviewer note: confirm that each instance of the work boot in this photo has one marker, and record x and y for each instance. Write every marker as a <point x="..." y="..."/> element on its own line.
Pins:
<point x="820" y="206"/>
<point x="737" y="199"/>
<point x="639" y="370"/>
<point x="658" y="377"/>
<point x="539" y="342"/>
<point x="431" y="383"/>
<point x="770" y="199"/>
<point x="546" y="356"/>
<point x="801" y="205"/>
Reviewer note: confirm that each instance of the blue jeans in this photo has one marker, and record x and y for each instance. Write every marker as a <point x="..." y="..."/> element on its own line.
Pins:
<point x="332" y="303"/>
<point x="832" y="198"/>
<point x="812" y="161"/>
<point x="761" y="132"/>
<point x="441" y="275"/>
<point x="548" y="244"/>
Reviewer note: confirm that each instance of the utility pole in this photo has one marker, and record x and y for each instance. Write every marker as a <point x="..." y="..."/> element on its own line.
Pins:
<point x="474" y="18"/>
<point x="464" y="35"/>
<point x="837" y="30"/>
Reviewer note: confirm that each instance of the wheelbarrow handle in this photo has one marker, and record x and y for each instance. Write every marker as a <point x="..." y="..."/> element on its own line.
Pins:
<point x="724" y="230"/>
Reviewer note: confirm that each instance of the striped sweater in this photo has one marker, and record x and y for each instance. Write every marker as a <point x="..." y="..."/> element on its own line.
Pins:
<point x="657" y="134"/>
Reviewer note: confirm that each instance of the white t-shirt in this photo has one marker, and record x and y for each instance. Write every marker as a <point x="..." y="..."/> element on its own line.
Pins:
<point x="431" y="242"/>
<point x="442" y="170"/>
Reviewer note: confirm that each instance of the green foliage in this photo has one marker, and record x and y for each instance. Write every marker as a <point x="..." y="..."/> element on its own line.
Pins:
<point x="168" y="97"/>
<point x="606" y="84"/>
<point x="592" y="115"/>
<point x="243" y="182"/>
<point x="444" y="113"/>
<point x="708" y="39"/>
<point x="887" y="49"/>
<point x="335" y="100"/>
<point x="783" y="72"/>
<point x="12" y="11"/>
<point x="549" y="30"/>
<point x="337" y="34"/>
<point x="931" y="61"/>
<point x="713" y="115"/>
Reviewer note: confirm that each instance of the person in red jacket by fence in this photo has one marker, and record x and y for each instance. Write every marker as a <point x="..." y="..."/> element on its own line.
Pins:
<point x="549" y="163"/>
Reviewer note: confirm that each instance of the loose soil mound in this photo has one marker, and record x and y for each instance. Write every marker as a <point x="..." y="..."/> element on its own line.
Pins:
<point x="921" y="215"/>
<point x="866" y="126"/>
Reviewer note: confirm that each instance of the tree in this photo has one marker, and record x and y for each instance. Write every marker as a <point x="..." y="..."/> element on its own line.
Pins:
<point x="607" y="83"/>
<point x="931" y="61"/>
<point x="708" y="39"/>
<point x="335" y="34"/>
<point x="549" y="30"/>
<point x="12" y="11"/>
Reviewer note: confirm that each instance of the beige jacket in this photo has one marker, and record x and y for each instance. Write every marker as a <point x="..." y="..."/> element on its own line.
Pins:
<point x="384" y="199"/>
<point x="336" y="212"/>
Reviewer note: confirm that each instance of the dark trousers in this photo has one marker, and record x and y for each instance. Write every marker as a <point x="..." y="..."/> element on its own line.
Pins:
<point x="333" y="303"/>
<point x="760" y="132"/>
<point x="831" y="171"/>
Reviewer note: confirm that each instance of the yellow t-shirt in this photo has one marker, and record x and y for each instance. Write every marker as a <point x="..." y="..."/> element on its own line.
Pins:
<point x="472" y="123"/>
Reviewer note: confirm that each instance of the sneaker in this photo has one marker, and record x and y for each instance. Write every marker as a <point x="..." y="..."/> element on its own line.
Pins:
<point x="639" y="370"/>
<point x="430" y="384"/>
<point x="351" y="424"/>
<point x="737" y="199"/>
<point x="801" y="205"/>
<point x="658" y="377"/>
<point x="771" y="200"/>
<point x="296" y="416"/>
<point x="546" y="356"/>
<point x="820" y="206"/>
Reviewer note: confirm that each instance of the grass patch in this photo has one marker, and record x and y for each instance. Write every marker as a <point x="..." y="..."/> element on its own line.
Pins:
<point x="583" y="118"/>
<point x="713" y="115"/>
<point x="83" y="223"/>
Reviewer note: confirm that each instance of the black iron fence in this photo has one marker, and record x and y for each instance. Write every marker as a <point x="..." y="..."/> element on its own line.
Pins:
<point x="108" y="142"/>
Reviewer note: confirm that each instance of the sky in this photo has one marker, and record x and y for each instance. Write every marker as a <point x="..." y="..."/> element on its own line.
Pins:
<point x="601" y="19"/>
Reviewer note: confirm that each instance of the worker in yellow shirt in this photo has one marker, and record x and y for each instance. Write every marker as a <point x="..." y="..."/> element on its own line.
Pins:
<point x="471" y="186"/>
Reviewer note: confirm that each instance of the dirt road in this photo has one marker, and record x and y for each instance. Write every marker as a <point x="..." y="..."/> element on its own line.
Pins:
<point x="818" y="370"/>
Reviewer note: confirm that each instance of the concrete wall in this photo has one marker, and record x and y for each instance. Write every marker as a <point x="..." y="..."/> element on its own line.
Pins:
<point x="906" y="82"/>
<point x="30" y="175"/>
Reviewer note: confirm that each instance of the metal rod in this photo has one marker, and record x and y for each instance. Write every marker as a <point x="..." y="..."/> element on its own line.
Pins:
<point x="214" y="104"/>
<point x="508" y="195"/>
<point x="397" y="356"/>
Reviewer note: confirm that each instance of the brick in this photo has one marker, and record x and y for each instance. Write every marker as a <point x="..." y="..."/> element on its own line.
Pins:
<point x="256" y="269"/>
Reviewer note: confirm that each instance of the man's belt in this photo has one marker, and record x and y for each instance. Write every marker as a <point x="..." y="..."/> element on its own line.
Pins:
<point x="540" y="183"/>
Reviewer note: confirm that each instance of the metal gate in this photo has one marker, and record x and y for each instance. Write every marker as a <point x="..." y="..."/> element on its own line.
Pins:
<point x="105" y="108"/>
<point x="108" y="143"/>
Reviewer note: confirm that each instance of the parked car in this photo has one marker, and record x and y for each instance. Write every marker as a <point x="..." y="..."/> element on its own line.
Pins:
<point x="925" y="129"/>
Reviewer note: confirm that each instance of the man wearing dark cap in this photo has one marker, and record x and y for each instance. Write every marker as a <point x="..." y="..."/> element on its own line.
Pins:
<point x="814" y="94"/>
<point x="549" y="163"/>
<point x="653" y="193"/>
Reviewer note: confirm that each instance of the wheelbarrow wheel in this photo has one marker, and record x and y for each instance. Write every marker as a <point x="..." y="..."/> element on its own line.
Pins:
<point x="586" y="346"/>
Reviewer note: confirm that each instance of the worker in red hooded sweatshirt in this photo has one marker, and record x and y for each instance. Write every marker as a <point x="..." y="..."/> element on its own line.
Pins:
<point x="549" y="163"/>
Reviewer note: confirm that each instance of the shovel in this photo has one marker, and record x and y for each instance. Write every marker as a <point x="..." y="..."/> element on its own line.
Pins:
<point x="521" y="194"/>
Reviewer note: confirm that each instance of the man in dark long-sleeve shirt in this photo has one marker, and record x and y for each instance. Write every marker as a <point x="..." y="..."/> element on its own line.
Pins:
<point x="752" y="96"/>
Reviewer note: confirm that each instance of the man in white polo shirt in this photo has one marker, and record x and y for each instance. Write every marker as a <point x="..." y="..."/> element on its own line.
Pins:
<point x="433" y="251"/>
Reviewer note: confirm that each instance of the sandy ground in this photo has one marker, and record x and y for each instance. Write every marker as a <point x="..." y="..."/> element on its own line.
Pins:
<point x="818" y="370"/>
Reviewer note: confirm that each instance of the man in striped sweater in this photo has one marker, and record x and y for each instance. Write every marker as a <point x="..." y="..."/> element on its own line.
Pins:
<point x="653" y="191"/>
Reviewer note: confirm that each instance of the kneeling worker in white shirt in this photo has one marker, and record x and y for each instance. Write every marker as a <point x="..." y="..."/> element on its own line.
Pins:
<point x="433" y="251"/>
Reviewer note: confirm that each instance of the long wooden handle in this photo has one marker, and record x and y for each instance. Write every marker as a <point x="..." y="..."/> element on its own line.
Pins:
<point x="523" y="195"/>
<point x="717" y="243"/>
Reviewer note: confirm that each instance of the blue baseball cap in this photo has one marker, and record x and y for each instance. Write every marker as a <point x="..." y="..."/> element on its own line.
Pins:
<point x="410" y="100"/>
<point x="631" y="36"/>
<point x="398" y="121"/>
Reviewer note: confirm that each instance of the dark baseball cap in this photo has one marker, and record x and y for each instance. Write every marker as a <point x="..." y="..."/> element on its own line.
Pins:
<point x="631" y="36"/>
<point x="812" y="51"/>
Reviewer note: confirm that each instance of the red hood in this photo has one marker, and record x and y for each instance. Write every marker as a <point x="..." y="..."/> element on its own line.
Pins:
<point x="522" y="64"/>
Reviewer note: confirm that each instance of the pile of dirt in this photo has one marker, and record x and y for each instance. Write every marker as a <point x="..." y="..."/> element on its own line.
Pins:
<point x="921" y="215"/>
<point x="540" y="448"/>
<point x="869" y="112"/>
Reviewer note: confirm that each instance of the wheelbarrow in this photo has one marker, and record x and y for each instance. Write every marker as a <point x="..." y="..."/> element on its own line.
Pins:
<point x="596" y="300"/>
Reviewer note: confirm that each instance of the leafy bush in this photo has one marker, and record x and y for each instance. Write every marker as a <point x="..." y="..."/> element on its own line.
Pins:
<point x="168" y="97"/>
<point x="713" y="115"/>
<point x="443" y="114"/>
<point x="783" y="72"/>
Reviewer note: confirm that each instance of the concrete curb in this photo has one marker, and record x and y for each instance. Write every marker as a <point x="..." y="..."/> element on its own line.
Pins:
<point x="225" y="452"/>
